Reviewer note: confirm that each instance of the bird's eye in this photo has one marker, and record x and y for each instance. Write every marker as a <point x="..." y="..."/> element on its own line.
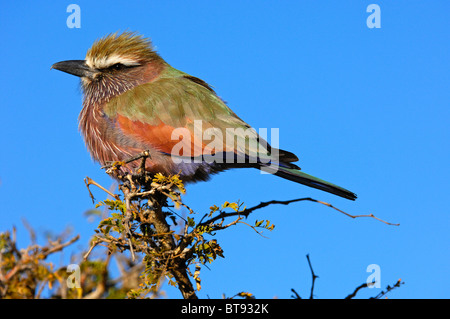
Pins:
<point x="118" y="66"/>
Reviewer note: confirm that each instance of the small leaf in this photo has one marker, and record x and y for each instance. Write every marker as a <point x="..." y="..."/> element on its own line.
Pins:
<point x="258" y="223"/>
<point x="191" y="222"/>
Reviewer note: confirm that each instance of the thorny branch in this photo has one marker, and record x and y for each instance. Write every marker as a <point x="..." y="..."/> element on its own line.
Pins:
<point x="144" y="228"/>
<point x="353" y="294"/>
<point x="142" y="206"/>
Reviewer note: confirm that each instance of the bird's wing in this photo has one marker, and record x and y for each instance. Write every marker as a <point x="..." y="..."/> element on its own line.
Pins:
<point x="178" y="112"/>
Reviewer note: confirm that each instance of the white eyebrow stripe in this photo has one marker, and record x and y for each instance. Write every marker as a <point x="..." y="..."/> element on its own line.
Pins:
<point x="109" y="61"/>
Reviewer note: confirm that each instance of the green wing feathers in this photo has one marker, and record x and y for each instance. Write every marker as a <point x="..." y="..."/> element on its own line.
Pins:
<point x="178" y="100"/>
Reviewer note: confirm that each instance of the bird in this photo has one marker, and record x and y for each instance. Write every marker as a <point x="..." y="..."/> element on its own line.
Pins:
<point x="134" y="101"/>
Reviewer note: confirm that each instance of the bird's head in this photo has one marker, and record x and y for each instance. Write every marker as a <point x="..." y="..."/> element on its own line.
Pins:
<point x="115" y="64"/>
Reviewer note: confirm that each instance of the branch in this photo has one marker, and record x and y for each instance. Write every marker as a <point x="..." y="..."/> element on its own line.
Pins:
<point x="353" y="294"/>
<point x="59" y="247"/>
<point x="88" y="181"/>
<point x="248" y="211"/>
<point x="314" y="277"/>
<point x="388" y="289"/>
<point x="381" y="294"/>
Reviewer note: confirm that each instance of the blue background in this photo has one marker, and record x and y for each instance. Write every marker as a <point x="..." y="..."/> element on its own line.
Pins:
<point x="367" y="109"/>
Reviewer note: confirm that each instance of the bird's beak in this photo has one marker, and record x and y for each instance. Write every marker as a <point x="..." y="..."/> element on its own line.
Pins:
<point x="75" y="67"/>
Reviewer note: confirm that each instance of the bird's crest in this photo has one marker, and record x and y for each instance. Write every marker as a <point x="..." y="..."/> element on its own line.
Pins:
<point x="128" y="48"/>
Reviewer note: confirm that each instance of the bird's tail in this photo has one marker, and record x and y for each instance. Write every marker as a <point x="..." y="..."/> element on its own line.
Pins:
<point x="296" y="175"/>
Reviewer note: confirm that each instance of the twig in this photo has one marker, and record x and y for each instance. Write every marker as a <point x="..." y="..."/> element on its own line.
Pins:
<point x="352" y="216"/>
<point x="94" y="244"/>
<point x="60" y="246"/>
<point x="314" y="277"/>
<point x="252" y="227"/>
<point x="88" y="181"/>
<point x="297" y="296"/>
<point x="388" y="289"/>
<point x="353" y="294"/>
<point x="381" y="294"/>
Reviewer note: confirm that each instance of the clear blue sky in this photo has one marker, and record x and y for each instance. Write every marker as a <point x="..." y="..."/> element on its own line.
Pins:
<point x="367" y="109"/>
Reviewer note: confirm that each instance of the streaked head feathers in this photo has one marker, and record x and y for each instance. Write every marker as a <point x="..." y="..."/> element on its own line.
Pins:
<point x="127" y="48"/>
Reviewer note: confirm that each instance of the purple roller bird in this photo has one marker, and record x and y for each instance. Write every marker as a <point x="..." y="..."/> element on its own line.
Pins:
<point x="135" y="101"/>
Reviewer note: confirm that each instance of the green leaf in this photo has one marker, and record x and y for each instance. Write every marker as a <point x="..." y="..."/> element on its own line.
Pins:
<point x="191" y="222"/>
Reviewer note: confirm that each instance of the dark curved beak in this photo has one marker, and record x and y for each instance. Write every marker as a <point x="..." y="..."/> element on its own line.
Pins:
<point x="74" y="67"/>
